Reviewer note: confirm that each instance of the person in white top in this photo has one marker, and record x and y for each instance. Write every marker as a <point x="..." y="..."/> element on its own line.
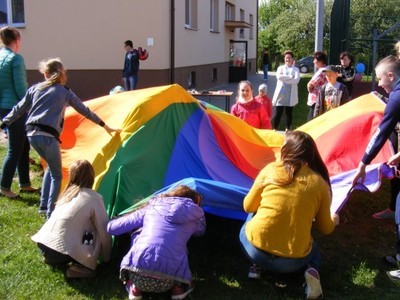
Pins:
<point x="286" y="91"/>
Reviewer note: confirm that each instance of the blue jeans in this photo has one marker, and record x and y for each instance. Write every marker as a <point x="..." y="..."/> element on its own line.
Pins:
<point x="130" y="82"/>
<point x="397" y="220"/>
<point x="265" y="70"/>
<point x="17" y="157"/>
<point x="49" y="149"/>
<point x="276" y="263"/>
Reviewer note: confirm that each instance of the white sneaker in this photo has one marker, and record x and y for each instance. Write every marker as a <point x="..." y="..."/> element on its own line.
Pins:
<point x="254" y="272"/>
<point x="395" y="275"/>
<point x="313" y="284"/>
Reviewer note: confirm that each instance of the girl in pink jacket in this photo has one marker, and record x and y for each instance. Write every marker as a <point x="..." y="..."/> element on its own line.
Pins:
<point x="248" y="109"/>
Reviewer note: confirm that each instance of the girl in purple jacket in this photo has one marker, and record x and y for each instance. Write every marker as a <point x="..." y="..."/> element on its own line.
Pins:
<point x="157" y="260"/>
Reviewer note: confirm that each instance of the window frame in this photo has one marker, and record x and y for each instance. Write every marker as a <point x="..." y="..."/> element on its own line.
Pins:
<point x="191" y="11"/>
<point x="214" y="15"/>
<point x="11" y="13"/>
<point x="229" y="11"/>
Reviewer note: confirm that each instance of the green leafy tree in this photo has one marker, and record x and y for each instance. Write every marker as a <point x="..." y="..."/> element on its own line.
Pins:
<point x="290" y="25"/>
<point x="365" y="16"/>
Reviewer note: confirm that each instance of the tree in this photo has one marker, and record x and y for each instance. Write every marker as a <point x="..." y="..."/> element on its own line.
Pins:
<point x="290" y="25"/>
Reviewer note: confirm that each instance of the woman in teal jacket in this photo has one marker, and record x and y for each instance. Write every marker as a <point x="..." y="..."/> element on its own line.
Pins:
<point x="13" y="86"/>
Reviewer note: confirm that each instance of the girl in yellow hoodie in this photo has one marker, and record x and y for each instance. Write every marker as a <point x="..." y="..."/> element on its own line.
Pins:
<point x="283" y="203"/>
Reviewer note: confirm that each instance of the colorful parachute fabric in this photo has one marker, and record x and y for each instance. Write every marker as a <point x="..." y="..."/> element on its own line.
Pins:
<point x="342" y="136"/>
<point x="171" y="138"/>
<point x="168" y="136"/>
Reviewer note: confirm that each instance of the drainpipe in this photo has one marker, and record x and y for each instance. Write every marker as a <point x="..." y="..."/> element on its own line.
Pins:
<point x="257" y="52"/>
<point x="172" y="45"/>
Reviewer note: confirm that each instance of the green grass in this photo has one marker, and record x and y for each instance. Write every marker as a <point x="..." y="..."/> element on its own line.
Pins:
<point x="352" y="265"/>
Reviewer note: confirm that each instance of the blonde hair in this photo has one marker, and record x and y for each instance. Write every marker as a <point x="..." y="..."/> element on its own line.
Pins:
<point x="263" y="87"/>
<point x="54" y="72"/>
<point x="397" y="48"/>
<point x="389" y="64"/>
<point x="81" y="175"/>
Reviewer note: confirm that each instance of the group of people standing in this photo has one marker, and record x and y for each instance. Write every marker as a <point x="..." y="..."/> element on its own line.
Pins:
<point x="330" y="87"/>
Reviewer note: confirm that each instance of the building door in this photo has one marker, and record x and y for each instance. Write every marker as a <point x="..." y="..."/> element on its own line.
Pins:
<point x="237" y="61"/>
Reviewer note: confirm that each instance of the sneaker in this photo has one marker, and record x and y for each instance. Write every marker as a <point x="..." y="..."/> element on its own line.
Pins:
<point x="394" y="275"/>
<point x="384" y="214"/>
<point x="42" y="210"/>
<point x="313" y="285"/>
<point x="133" y="292"/>
<point x="391" y="259"/>
<point x="9" y="194"/>
<point x="29" y="190"/>
<point x="181" y="291"/>
<point x="254" y="272"/>
<point x="79" y="271"/>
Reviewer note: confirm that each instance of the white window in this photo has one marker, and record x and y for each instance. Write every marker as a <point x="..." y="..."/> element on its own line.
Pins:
<point x="12" y="12"/>
<point x="251" y="21"/>
<point x="241" y="31"/>
<point x="214" y="15"/>
<point x="191" y="14"/>
<point x="229" y="12"/>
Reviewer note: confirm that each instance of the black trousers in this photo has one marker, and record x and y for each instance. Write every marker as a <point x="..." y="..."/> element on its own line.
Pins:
<point x="278" y="112"/>
<point x="53" y="257"/>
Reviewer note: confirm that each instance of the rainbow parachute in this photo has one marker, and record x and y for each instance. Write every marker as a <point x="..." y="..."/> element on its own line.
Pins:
<point x="171" y="138"/>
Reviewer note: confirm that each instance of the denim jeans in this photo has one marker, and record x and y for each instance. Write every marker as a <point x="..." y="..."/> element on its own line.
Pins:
<point x="17" y="157"/>
<point x="49" y="149"/>
<point x="397" y="220"/>
<point x="265" y="70"/>
<point x="130" y="82"/>
<point x="276" y="263"/>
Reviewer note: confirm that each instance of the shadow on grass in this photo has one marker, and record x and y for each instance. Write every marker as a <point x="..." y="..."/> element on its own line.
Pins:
<point x="352" y="265"/>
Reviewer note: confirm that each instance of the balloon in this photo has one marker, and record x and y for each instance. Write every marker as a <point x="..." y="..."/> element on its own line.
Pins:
<point x="360" y="68"/>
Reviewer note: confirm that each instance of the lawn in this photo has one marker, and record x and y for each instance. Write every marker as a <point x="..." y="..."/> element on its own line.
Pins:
<point x="352" y="265"/>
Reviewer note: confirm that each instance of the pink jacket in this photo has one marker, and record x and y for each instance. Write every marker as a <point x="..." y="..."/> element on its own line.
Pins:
<point x="267" y="103"/>
<point x="253" y="113"/>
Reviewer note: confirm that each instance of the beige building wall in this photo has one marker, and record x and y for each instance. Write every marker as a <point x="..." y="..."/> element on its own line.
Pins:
<point x="88" y="36"/>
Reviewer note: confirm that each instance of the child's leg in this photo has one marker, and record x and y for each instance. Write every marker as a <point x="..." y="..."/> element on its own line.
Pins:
<point x="398" y="241"/>
<point x="53" y="257"/>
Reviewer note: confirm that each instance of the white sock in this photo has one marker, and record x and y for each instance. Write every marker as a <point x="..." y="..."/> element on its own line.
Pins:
<point x="398" y="257"/>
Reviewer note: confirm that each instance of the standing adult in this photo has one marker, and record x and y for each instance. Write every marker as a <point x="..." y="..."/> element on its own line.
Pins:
<point x="286" y="92"/>
<point x="131" y="66"/>
<point x="316" y="82"/>
<point x="265" y="59"/>
<point x="13" y="86"/>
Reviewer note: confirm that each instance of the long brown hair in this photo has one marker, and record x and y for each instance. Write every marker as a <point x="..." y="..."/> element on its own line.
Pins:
<point x="81" y="175"/>
<point x="299" y="149"/>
